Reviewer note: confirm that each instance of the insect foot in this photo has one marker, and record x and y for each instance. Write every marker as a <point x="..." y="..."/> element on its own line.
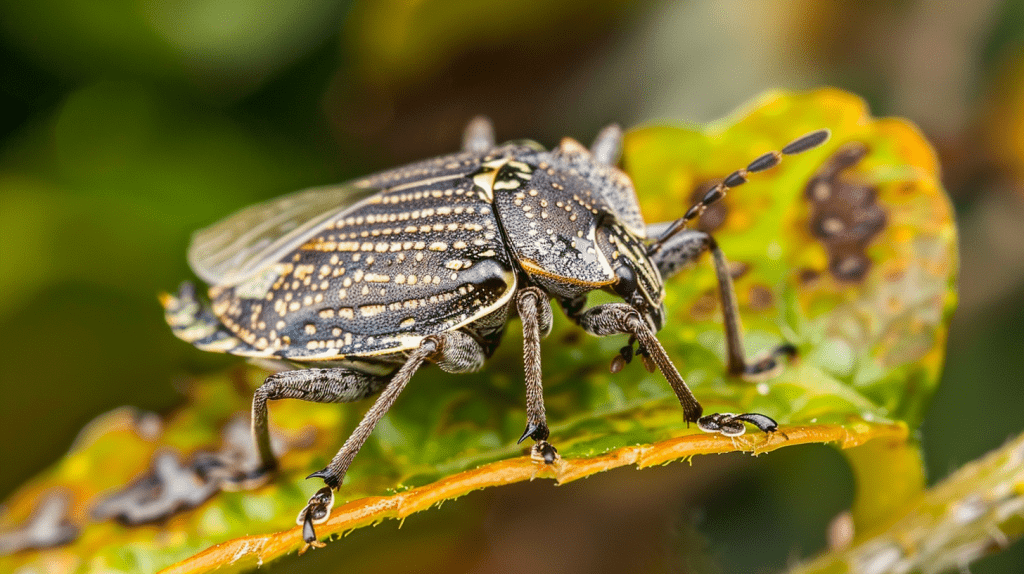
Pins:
<point x="329" y="478"/>
<point x="542" y="451"/>
<point x="536" y="431"/>
<point x="769" y="365"/>
<point x="731" y="425"/>
<point x="316" y="512"/>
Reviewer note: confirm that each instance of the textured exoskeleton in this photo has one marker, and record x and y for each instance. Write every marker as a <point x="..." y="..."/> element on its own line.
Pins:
<point x="426" y="263"/>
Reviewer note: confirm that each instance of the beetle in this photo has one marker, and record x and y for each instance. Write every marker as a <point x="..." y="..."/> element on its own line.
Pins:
<point x="367" y="281"/>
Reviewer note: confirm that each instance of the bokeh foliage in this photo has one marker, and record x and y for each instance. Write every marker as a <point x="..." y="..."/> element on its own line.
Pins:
<point x="870" y="355"/>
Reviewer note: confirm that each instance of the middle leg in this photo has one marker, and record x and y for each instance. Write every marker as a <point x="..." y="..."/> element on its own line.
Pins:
<point x="453" y="351"/>
<point x="535" y="313"/>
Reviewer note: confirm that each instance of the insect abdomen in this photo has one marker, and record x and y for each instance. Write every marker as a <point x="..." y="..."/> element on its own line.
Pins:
<point x="411" y="261"/>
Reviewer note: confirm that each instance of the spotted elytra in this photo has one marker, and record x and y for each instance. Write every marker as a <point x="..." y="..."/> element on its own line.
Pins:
<point x="364" y="282"/>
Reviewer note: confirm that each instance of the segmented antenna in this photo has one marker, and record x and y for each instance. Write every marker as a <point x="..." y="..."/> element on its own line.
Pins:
<point x="737" y="178"/>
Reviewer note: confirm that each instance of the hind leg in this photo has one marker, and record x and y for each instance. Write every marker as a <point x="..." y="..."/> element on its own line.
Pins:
<point x="454" y="352"/>
<point x="312" y="385"/>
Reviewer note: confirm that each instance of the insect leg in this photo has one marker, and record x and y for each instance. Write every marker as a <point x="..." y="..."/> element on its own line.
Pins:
<point x="478" y="137"/>
<point x="335" y="471"/>
<point x="615" y="318"/>
<point x="607" y="147"/>
<point x="312" y="385"/>
<point x="453" y="352"/>
<point x="737" y="363"/>
<point x="681" y="250"/>
<point x="731" y="425"/>
<point x="763" y="422"/>
<point x="535" y="314"/>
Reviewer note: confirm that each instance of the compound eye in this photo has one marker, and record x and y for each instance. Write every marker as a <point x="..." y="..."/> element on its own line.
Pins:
<point x="626" y="284"/>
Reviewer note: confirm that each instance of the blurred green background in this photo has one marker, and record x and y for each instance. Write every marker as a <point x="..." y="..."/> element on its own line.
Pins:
<point x="127" y="124"/>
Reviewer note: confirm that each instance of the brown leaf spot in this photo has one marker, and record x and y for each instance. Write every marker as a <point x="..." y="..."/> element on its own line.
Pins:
<point x="704" y="307"/>
<point x="845" y="215"/>
<point x="807" y="276"/>
<point x="738" y="269"/>
<point x="761" y="298"/>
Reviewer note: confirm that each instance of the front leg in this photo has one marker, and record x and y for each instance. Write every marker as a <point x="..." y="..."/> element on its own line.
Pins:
<point x="339" y="385"/>
<point x="683" y="249"/>
<point x="615" y="318"/>
<point x="619" y="318"/>
<point x="535" y="314"/>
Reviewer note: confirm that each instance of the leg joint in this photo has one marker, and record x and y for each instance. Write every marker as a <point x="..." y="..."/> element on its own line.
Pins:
<point x="455" y="352"/>
<point x="532" y="296"/>
<point x="533" y="305"/>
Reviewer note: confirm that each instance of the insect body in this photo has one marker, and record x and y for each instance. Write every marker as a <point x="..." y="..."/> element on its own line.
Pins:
<point x="365" y="282"/>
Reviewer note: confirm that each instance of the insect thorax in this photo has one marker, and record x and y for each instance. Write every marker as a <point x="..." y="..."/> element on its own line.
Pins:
<point x="571" y="224"/>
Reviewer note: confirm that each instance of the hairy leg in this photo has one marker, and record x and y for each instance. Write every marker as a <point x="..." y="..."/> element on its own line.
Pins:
<point x="618" y="318"/>
<point x="614" y="318"/>
<point x="313" y="385"/>
<point x="454" y="352"/>
<point x="535" y="314"/>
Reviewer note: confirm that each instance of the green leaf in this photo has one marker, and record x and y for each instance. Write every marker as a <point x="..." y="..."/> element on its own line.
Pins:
<point x="867" y="308"/>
